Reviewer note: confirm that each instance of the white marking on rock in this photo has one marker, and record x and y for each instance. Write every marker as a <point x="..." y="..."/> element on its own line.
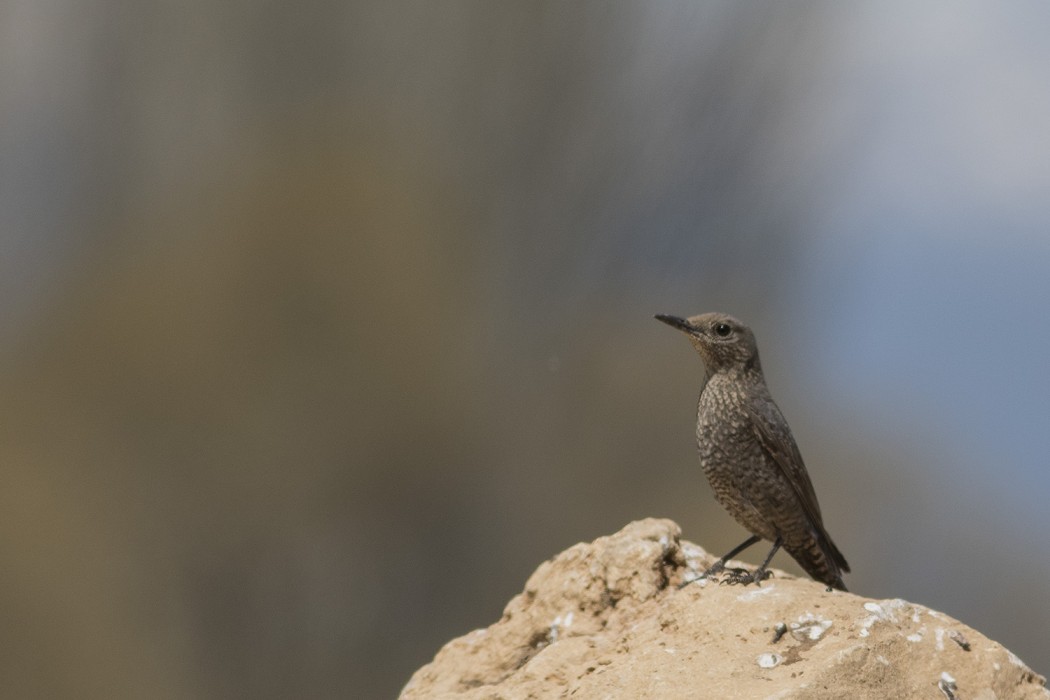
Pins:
<point x="559" y="624"/>
<point x="1015" y="660"/>
<point x="947" y="685"/>
<point x="769" y="660"/>
<point x="917" y="635"/>
<point x="810" y="625"/>
<point x="935" y="614"/>
<point x="884" y="612"/>
<point x="755" y="593"/>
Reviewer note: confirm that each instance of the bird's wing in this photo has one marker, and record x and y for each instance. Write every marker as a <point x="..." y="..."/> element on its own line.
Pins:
<point x="776" y="439"/>
<point x="774" y="436"/>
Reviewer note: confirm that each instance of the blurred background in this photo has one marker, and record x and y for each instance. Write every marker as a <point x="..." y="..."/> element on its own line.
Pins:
<point x="323" y="324"/>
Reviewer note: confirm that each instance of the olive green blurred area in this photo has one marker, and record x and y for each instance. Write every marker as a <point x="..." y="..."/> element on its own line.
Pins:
<point x="328" y="322"/>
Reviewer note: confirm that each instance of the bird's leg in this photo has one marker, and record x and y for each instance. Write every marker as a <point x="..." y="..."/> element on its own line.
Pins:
<point x="761" y="574"/>
<point x="758" y="575"/>
<point x="720" y="565"/>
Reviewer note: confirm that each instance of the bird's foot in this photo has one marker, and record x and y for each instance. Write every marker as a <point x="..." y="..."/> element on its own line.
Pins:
<point x="736" y="575"/>
<point x="713" y="570"/>
<point x="743" y="576"/>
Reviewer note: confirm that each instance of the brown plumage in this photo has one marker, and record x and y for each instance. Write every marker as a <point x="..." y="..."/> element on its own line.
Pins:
<point x="749" y="455"/>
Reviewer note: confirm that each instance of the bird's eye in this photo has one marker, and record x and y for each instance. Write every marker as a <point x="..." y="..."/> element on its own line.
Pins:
<point x="723" y="329"/>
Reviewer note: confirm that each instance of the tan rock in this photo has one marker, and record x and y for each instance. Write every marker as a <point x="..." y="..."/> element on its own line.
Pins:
<point x="606" y="620"/>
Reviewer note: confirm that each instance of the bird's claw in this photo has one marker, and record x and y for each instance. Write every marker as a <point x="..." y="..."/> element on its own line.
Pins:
<point x="743" y="577"/>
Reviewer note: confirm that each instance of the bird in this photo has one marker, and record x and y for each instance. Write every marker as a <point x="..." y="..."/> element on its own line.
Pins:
<point x="750" y="458"/>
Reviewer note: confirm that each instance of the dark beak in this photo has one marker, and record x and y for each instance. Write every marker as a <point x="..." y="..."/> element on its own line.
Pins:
<point x="675" y="322"/>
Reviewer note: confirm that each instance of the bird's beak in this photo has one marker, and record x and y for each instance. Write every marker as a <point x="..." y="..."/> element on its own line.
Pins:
<point x="676" y="322"/>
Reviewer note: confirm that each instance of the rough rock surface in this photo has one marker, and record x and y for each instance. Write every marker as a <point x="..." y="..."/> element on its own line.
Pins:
<point x="606" y="620"/>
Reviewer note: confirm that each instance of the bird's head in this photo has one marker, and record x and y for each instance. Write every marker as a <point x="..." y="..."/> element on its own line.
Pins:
<point x="722" y="341"/>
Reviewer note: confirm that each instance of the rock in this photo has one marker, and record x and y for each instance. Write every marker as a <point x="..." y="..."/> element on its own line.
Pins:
<point x="606" y="620"/>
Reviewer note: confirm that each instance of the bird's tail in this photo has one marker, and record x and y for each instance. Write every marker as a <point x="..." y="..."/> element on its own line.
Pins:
<point x="821" y="559"/>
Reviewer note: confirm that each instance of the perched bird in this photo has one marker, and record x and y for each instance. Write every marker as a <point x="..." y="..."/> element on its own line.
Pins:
<point x="749" y="455"/>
